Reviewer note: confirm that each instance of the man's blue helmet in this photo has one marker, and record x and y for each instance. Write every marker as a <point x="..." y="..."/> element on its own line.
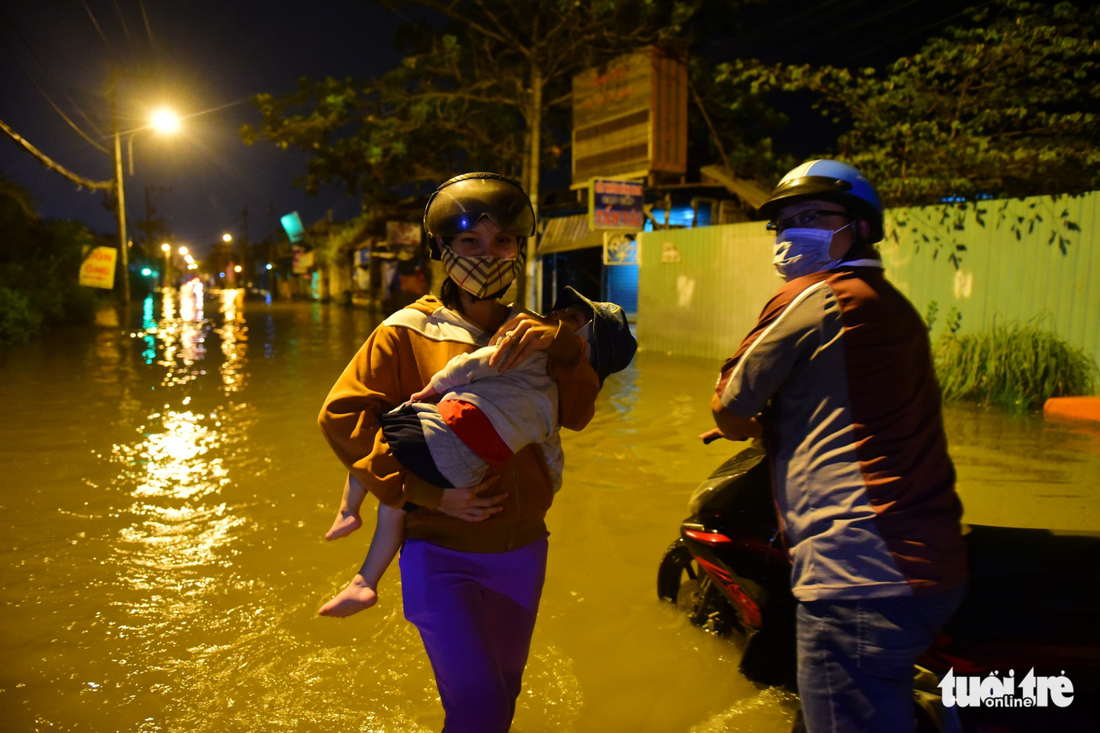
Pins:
<point x="829" y="180"/>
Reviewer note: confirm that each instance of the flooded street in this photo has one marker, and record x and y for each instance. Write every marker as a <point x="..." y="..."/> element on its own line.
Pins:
<point x="165" y="491"/>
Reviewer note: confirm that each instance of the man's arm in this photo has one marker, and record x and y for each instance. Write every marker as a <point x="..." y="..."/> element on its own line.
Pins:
<point x="787" y="333"/>
<point x="731" y="426"/>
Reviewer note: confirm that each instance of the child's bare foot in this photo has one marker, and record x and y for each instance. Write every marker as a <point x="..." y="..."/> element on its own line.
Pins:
<point x="358" y="596"/>
<point x="346" y="523"/>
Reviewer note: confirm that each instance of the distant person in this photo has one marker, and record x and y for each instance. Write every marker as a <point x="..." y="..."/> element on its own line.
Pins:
<point x="474" y="558"/>
<point x="506" y="411"/>
<point x="837" y="377"/>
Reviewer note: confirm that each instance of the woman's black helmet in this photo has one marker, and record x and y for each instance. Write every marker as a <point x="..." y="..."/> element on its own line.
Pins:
<point x="460" y="203"/>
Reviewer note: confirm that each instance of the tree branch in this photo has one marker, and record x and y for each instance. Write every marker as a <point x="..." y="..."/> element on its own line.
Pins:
<point x="55" y="167"/>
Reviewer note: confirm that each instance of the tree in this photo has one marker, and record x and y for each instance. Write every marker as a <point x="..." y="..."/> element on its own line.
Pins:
<point x="39" y="266"/>
<point x="482" y="93"/>
<point x="1006" y="105"/>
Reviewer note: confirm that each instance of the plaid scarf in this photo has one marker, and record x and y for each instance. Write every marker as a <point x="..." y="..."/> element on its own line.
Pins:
<point x="482" y="277"/>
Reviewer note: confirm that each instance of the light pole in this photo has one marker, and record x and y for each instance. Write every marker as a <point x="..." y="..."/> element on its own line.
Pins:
<point x="124" y="252"/>
<point x="227" y="238"/>
<point x="162" y="120"/>
<point x="167" y="252"/>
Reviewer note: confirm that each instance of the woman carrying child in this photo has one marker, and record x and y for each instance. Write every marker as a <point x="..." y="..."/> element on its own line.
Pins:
<point x="474" y="558"/>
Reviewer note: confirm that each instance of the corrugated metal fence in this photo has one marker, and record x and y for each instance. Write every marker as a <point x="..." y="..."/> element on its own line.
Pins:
<point x="701" y="290"/>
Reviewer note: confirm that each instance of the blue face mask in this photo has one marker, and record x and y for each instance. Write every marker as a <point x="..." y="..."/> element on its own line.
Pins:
<point x="801" y="252"/>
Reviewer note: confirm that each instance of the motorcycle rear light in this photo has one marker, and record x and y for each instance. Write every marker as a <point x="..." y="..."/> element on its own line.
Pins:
<point x="712" y="538"/>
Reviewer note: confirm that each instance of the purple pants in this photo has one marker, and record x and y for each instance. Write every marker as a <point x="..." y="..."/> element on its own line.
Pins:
<point x="475" y="613"/>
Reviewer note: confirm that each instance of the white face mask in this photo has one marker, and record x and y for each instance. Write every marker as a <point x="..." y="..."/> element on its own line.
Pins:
<point x="801" y="252"/>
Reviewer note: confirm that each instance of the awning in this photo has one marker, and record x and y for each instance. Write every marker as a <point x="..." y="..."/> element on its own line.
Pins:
<point x="567" y="233"/>
<point x="744" y="189"/>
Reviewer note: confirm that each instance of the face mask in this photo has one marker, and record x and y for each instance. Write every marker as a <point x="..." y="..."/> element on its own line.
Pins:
<point x="801" y="252"/>
<point x="482" y="277"/>
<point x="586" y="333"/>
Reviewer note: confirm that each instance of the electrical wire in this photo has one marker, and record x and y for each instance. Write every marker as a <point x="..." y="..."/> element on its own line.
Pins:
<point x="19" y="34"/>
<point x="148" y="28"/>
<point x="96" y="24"/>
<point x="122" y="20"/>
<point x="822" y="15"/>
<point x="921" y="29"/>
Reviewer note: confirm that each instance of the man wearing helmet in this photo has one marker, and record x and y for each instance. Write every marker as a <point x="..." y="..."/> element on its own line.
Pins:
<point x="837" y="377"/>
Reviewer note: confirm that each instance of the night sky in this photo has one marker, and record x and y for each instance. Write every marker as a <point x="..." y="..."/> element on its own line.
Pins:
<point x="207" y="58"/>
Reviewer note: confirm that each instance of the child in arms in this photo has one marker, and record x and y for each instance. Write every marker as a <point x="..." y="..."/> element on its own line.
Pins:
<point x="482" y="417"/>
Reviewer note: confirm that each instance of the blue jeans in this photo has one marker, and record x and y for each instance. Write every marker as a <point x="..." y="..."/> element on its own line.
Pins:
<point x="855" y="659"/>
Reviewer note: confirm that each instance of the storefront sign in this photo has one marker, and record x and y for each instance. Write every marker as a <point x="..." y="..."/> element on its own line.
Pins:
<point x="292" y="223"/>
<point x="303" y="261"/>
<point x="621" y="248"/>
<point x="615" y="205"/>
<point x="630" y="116"/>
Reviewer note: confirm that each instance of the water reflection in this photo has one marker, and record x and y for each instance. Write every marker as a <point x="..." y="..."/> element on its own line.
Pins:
<point x="176" y="472"/>
<point x="234" y="336"/>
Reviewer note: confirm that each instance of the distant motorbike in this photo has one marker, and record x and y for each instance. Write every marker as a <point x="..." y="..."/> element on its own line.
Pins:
<point x="1031" y="605"/>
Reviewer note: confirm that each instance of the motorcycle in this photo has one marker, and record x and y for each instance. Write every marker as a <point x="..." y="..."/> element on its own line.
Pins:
<point x="1030" y="607"/>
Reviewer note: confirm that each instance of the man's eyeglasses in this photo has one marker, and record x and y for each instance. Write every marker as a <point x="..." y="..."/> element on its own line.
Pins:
<point x="802" y="219"/>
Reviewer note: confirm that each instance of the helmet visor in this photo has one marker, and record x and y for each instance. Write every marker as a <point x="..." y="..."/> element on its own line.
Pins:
<point x="459" y="206"/>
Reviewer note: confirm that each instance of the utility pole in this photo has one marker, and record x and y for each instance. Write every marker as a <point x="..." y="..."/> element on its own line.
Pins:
<point x="269" y="266"/>
<point x="246" y="265"/>
<point x="155" y="228"/>
<point x="124" y="253"/>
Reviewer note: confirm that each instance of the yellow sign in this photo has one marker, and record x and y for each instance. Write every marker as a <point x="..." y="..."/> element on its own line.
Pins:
<point x="98" y="270"/>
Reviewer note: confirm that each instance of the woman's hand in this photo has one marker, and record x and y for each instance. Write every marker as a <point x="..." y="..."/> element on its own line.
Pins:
<point x="521" y="336"/>
<point x="465" y="504"/>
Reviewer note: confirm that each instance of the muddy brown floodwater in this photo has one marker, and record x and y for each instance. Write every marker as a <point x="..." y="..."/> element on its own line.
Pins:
<point x="165" y="490"/>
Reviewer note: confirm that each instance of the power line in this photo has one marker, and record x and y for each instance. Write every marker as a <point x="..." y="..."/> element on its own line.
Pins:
<point x="148" y="28"/>
<point x="122" y="20"/>
<point x="19" y="34"/>
<point x="96" y="24"/>
<point x="921" y="29"/>
<point x="828" y="23"/>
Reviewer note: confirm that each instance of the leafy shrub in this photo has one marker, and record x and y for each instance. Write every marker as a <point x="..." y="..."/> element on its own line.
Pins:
<point x="18" y="320"/>
<point x="1015" y="366"/>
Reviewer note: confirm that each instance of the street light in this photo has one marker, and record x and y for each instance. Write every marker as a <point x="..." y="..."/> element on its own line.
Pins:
<point x="227" y="238"/>
<point x="163" y="121"/>
<point x="124" y="251"/>
<point x="183" y="251"/>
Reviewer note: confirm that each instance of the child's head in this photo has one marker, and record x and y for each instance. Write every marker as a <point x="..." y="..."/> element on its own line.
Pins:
<point x="611" y="345"/>
<point x="572" y="317"/>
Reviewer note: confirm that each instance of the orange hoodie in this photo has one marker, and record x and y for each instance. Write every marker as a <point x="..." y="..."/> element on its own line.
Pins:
<point x="399" y="359"/>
